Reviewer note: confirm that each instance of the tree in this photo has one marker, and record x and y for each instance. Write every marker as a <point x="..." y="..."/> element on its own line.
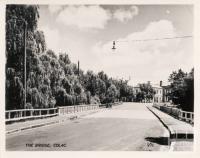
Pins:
<point x="146" y="93"/>
<point x="15" y="17"/>
<point x="67" y="85"/>
<point x="111" y="93"/>
<point x="40" y="42"/>
<point x="60" y="96"/>
<point x="64" y="59"/>
<point x="140" y="96"/>
<point x="51" y="53"/>
<point x="182" y="89"/>
<point x="14" y="91"/>
<point x="51" y="80"/>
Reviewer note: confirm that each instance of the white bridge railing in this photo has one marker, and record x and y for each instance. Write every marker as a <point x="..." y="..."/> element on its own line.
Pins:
<point x="178" y="113"/>
<point x="22" y="114"/>
<point x="14" y="115"/>
<point x="186" y="116"/>
<point x="73" y="109"/>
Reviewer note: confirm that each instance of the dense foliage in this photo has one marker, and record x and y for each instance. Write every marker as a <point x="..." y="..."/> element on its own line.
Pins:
<point x="56" y="81"/>
<point x="182" y="89"/>
<point x="146" y="93"/>
<point x="51" y="80"/>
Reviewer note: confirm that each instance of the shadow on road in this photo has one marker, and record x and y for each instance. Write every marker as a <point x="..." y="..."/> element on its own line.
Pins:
<point x="158" y="140"/>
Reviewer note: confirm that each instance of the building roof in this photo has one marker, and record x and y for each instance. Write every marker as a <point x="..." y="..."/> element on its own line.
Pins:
<point x="164" y="85"/>
<point x="136" y="86"/>
<point x="156" y="86"/>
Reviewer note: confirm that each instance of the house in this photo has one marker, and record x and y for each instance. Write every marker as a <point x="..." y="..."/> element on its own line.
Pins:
<point x="158" y="96"/>
<point x="161" y="92"/>
<point x="166" y="91"/>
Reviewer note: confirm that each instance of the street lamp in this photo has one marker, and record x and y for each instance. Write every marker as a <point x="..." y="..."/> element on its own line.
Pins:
<point x="113" y="48"/>
<point x="14" y="19"/>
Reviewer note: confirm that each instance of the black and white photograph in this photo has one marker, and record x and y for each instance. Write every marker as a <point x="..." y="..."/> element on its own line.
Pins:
<point x="99" y="77"/>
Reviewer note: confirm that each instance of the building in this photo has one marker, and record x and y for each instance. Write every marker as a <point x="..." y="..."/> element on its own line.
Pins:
<point x="158" y="96"/>
<point x="166" y="91"/>
<point x="136" y="89"/>
<point x="161" y="92"/>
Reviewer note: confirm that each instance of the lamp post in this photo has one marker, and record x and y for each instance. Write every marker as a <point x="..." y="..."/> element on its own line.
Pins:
<point x="14" y="19"/>
<point x="25" y="31"/>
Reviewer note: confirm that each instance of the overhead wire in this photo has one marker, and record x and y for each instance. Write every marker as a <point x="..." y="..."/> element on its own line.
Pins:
<point x="155" y="39"/>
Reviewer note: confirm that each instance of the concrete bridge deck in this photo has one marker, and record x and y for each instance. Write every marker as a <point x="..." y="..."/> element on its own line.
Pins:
<point x="130" y="126"/>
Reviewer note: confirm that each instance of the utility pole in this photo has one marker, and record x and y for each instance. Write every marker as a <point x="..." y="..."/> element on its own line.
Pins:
<point x="78" y="67"/>
<point x="25" y="30"/>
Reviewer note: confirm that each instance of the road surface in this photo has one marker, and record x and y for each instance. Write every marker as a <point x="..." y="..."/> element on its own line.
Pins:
<point x="130" y="126"/>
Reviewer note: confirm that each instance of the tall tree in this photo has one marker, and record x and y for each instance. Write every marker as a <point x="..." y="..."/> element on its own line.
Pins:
<point x="17" y="16"/>
<point x="182" y="89"/>
<point x="147" y="92"/>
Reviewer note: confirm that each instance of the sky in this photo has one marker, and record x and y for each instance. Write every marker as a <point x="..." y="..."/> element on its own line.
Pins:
<point x="86" y="33"/>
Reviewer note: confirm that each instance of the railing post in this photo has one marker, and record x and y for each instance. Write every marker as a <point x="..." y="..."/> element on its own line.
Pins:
<point x="8" y="115"/>
<point x="20" y="114"/>
<point x="31" y="113"/>
<point x="192" y="118"/>
<point x="180" y="115"/>
<point x="186" y="116"/>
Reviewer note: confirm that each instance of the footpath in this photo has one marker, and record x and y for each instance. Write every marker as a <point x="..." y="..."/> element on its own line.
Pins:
<point x="29" y="124"/>
<point x="181" y="133"/>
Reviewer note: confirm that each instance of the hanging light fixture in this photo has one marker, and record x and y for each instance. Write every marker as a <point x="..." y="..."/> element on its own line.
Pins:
<point x="113" y="48"/>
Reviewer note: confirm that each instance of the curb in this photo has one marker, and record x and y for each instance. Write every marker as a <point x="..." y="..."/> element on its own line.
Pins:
<point x="71" y="117"/>
<point x="31" y="127"/>
<point x="171" y="130"/>
<point x="168" y="128"/>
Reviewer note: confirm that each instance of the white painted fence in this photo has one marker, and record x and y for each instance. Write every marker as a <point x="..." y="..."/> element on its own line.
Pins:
<point x="73" y="109"/>
<point x="186" y="116"/>
<point x="22" y="114"/>
<point x="180" y="114"/>
<point x="14" y="115"/>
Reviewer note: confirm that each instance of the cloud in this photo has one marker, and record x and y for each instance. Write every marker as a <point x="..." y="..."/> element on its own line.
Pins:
<point x="150" y="60"/>
<point x="167" y="11"/>
<point x="54" y="8"/>
<point x="91" y="17"/>
<point x="84" y="16"/>
<point x="125" y="15"/>
<point x="154" y="30"/>
<point x="52" y="38"/>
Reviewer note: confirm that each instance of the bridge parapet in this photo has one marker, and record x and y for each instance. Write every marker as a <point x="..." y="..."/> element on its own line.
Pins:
<point x="23" y="114"/>
<point x="73" y="109"/>
<point x="15" y="115"/>
<point x="178" y="113"/>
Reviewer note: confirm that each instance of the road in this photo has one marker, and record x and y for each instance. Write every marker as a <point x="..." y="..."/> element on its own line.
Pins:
<point x="130" y="126"/>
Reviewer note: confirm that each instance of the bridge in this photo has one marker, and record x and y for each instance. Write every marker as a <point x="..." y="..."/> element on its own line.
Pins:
<point x="126" y="127"/>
